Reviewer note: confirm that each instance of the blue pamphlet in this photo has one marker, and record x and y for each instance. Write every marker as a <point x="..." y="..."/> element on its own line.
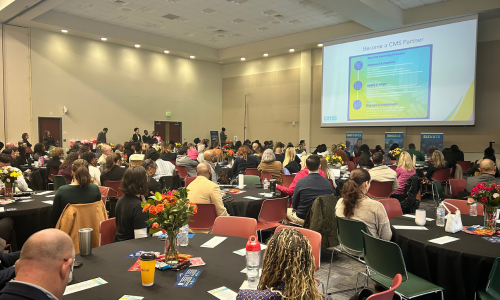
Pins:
<point x="187" y="278"/>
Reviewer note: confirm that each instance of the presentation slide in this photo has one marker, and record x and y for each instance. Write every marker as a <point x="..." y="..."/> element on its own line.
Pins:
<point x="419" y="77"/>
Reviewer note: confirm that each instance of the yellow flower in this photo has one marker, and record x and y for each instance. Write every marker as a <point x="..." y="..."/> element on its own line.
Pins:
<point x="327" y="158"/>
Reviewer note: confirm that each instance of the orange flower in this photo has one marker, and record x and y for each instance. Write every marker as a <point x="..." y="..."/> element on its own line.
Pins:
<point x="195" y="210"/>
<point x="160" y="207"/>
<point x="145" y="208"/>
<point x="155" y="226"/>
<point x="152" y="210"/>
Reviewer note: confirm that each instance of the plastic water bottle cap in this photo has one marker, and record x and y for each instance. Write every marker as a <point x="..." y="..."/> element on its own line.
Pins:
<point x="253" y="244"/>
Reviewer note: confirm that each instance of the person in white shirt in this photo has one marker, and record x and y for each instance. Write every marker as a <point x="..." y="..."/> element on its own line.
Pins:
<point x="21" y="184"/>
<point x="163" y="167"/>
<point x="93" y="170"/>
<point x="383" y="173"/>
<point x="201" y="150"/>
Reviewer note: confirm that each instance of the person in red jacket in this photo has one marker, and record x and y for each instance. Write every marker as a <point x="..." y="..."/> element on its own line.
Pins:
<point x="301" y="174"/>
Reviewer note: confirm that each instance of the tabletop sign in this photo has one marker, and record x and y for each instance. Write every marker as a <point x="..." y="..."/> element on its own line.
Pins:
<point x="77" y="287"/>
<point x="223" y="293"/>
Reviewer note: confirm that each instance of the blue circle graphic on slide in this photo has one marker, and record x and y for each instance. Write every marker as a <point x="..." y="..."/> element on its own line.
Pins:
<point x="357" y="104"/>
<point x="358" y="85"/>
<point x="358" y="65"/>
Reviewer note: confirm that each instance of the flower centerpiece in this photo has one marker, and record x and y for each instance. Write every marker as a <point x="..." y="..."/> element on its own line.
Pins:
<point x="112" y="146"/>
<point x="334" y="160"/>
<point x="342" y="146"/>
<point x="228" y="145"/>
<point x="124" y="157"/>
<point x="8" y="176"/>
<point x="432" y="149"/>
<point x="280" y="145"/>
<point x="229" y="155"/>
<point x="394" y="154"/>
<point x="299" y="149"/>
<point x="168" y="213"/>
<point x="489" y="197"/>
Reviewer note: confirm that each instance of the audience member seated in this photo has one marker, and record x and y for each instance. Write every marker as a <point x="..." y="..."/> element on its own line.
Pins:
<point x="210" y="158"/>
<point x="489" y="153"/>
<point x="166" y="152"/>
<point x="43" y="268"/>
<point x="24" y="156"/>
<point x="55" y="158"/>
<point x="487" y="169"/>
<point x="5" y="160"/>
<point x="192" y="152"/>
<point x="301" y="174"/>
<point x="259" y="151"/>
<point x="106" y="150"/>
<point x="408" y="200"/>
<point x="383" y="173"/>
<point x="378" y="148"/>
<point x="79" y="191"/>
<point x="136" y="160"/>
<point x="163" y="167"/>
<point x="216" y="148"/>
<point x="243" y="161"/>
<point x="48" y="139"/>
<point x="307" y="190"/>
<point x="287" y="270"/>
<point x="184" y="161"/>
<point x="321" y="150"/>
<point x="289" y="161"/>
<point x="412" y="152"/>
<point x="438" y="162"/>
<point x="356" y="205"/>
<point x="456" y="170"/>
<point x="365" y="161"/>
<point x="94" y="171"/>
<point x="269" y="164"/>
<point x="404" y="170"/>
<point x="82" y="149"/>
<point x="278" y="153"/>
<point x="201" y="150"/>
<point x="113" y="170"/>
<point x="456" y="153"/>
<point x="7" y="261"/>
<point x="328" y="173"/>
<point x="13" y="153"/>
<point x="150" y="166"/>
<point x="203" y="190"/>
<point x="130" y="217"/>
<point x="138" y="148"/>
<point x="128" y="150"/>
<point x="364" y="148"/>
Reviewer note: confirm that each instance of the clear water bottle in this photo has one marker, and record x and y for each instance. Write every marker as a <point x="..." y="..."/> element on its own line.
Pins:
<point x="473" y="210"/>
<point x="266" y="184"/>
<point x="440" y="215"/>
<point x="253" y="261"/>
<point x="183" y="235"/>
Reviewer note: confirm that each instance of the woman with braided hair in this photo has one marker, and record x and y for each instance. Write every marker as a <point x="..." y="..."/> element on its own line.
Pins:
<point x="287" y="270"/>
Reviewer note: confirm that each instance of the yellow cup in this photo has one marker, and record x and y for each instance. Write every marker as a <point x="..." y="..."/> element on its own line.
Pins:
<point x="148" y="261"/>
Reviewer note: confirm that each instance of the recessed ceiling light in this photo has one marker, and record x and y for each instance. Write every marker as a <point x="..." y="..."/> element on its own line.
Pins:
<point x="242" y="58"/>
<point x="137" y="46"/>
<point x="320" y="45"/>
<point x="191" y="56"/>
<point x="266" y="55"/>
<point x="166" y="51"/>
<point x="104" y="39"/>
<point x="291" y="50"/>
<point x="64" y="31"/>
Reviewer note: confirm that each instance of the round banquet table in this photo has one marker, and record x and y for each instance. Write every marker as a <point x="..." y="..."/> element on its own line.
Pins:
<point x="29" y="217"/>
<point x="223" y="268"/>
<point x="244" y="207"/>
<point x="460" y="267"/>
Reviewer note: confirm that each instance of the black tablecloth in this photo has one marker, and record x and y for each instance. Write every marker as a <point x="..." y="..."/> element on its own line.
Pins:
<point x="243" y="207"/>
<point x="29" y="217"/>
<point x="460" y="267"/>
<point x="111" y="264"/>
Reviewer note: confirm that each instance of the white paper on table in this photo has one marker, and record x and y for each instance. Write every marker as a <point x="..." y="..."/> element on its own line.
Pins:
<point x="413" y="217"/>
<point x="244" y="271"/>
<point x="22" y="198"/>
<point x="244" y="286"/>
<point x="46" y="192"/>
<point x="49" y="196"/>
<point x="266" y="194"/>
<point x="77" y="287"/>
<point x="128" y="297"/>
<point x="213" y="242"/>
<point x="243" y="251"/>
<point x="48" y="202"/>
<point x="27" y="200"/>
<point x="2" y="209"/>
<point x="443" y="240"/>
<point x="223" y="293"/>
<point x="252" y="198"/>
<point x="410" y="227"/>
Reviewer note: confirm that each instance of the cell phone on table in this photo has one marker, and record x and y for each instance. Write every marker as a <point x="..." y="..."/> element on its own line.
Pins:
<point x="77" y="263"/>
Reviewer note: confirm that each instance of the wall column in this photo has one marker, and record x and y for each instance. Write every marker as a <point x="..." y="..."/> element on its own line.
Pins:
<point x="305" y="97"/>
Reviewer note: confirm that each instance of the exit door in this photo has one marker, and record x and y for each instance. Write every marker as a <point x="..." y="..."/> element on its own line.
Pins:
<point x="169" y="131"/>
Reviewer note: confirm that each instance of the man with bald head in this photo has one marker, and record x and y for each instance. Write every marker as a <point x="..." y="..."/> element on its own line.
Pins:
<point x="210" y="158"/>
<point x="202" y="190"/>
<point x="43" y="270"/>
<point x="487" y="168"/>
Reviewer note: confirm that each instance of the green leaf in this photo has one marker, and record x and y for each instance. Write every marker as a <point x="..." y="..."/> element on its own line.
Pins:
<point x="153" y="231"/>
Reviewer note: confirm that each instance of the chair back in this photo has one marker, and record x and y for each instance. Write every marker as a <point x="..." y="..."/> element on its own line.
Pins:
<point x="173" y="162"/>
<point x="493" y="287"/>
<point x="349" y="233"/>
<point x="463" y="207"/>
<point x="273" y="210"/>
<point x="235" y="226"/>
<point x="52" y="172"/>
<point x="252" y="171"/>
<point x="104" y="193"/>
<point x="393" y="161"/>
<point x="355" y="159"/>
<point x="465" y="165"/>
<point x="389" y="294"/>
<point x="314" y="239"/>
<point x="457" y="185"/>
<point x="380" y="189"/>
<point x="58" y="181"/>
<point x="107" y="231"/>
<point x="115" y="186"/>
<point x="166" y="182"/>
<point x="350" y="166"/>
<point x="205" y="217"/>
<point x="287" y="179"/>
<point x="264" y="175"/>
<point x="182" y="171"/>
<point x="394" y="167"/>
<point x="392" y="207"/>
<point x="383" y="257"/>
<point x="441" y="175"/>
<point x="188" y="180"/>
<point x="251" y="179"/>
<point x="437" y="191"/>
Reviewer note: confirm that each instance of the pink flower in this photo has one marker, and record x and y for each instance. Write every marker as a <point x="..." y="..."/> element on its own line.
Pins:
<point x="489" y="189"/>
<point x="495" y="195"/>
<point x="470" y="200"/>
<point x="5" y="171"/>
<point x="8" y="180"/>
<point x="484" y="199"/>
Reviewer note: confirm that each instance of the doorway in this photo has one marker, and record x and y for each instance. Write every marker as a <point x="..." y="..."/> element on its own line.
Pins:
<point x="169" y="131"/>
<point x="53" y="125"/>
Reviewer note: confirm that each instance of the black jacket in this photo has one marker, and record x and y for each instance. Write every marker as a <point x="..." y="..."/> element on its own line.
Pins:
<point x="280" y="157"/>
<point x="27" y="143"/>
<point x="147" y="139"/>
<point x="154" y="186"/>
<point x="128" y="152"/>
<point x="293" y="167"/>
<point x="7" y="270"/>
<point x="101" y="137"/>
<point x="136" y="138"/>
<point x="115" y="174"/>
<point x="50" y="140"/>
<point x="240" y="165"/>
<point x="168" y="156"/>
<point x="54" y="163"/>
<point x="19" y="291"/>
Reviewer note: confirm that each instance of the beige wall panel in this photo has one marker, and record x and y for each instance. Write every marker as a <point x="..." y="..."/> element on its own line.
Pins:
<point x="107" y="85"/>
<point x="264" y="65"/>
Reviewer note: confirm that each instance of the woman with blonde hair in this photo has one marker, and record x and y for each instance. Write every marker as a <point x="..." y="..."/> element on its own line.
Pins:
<point x="404" y="170"/>
<point x="303" y="159"/>
<point x="323" y="166"/>
<point x="289" y="162"/>
<point x="271" y="165"/>
<point x="287" y="270"/>
<point x="438" y="162"/>
<point x="166" y="152"/>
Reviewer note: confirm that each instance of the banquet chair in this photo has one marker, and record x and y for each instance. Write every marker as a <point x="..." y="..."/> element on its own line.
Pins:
<point x="188" y="180"/>
<point x="437" y="191"/>
<point x="389" y="294"/>
<point x="331" y="183"/>
<point x="463" y="207"/>
<point x="393" y="167"/>
<point x="204" y="219"/>
<point x="287" y="179"/>
<point x="50" y="177"/>
<point x="170" y="182"/>
<point x="379" y="189"/>
<point x="456" y="186"/>
<point x="182" y="171"/>
<point x="392" y="207"/>
<point x="355" y="159"/>
<point x="393" y="161"/>
<point x="104" y="193"/>
<point x="252" y="171"/>
<point x="465" y="165"/>
<point x="114" y="187"/>
<point x="272" y="213"/>
<point x="235" y="226"/>
<point x="442" y="175"/>
<point x="350" y="166"/>
<point x="251" y="179"/>
<point x="384" y="260"/>
<point x="492" y="290"/>
<point x="107" y="231"/>
<point x="174" y="163"/>
<point x="58" y="181"/>
<point x="265" y="175"/>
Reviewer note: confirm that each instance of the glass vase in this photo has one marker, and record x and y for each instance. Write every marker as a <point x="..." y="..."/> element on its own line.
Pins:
<point x="490" y="217"/>
<point x="172" y="248"/>
<point x="8" y="192"/>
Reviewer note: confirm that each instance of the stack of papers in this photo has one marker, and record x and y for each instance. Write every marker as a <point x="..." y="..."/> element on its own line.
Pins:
<point x="409" y="227"/>
<point x="213" y="242"/>
<point x="443" y="240"/>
